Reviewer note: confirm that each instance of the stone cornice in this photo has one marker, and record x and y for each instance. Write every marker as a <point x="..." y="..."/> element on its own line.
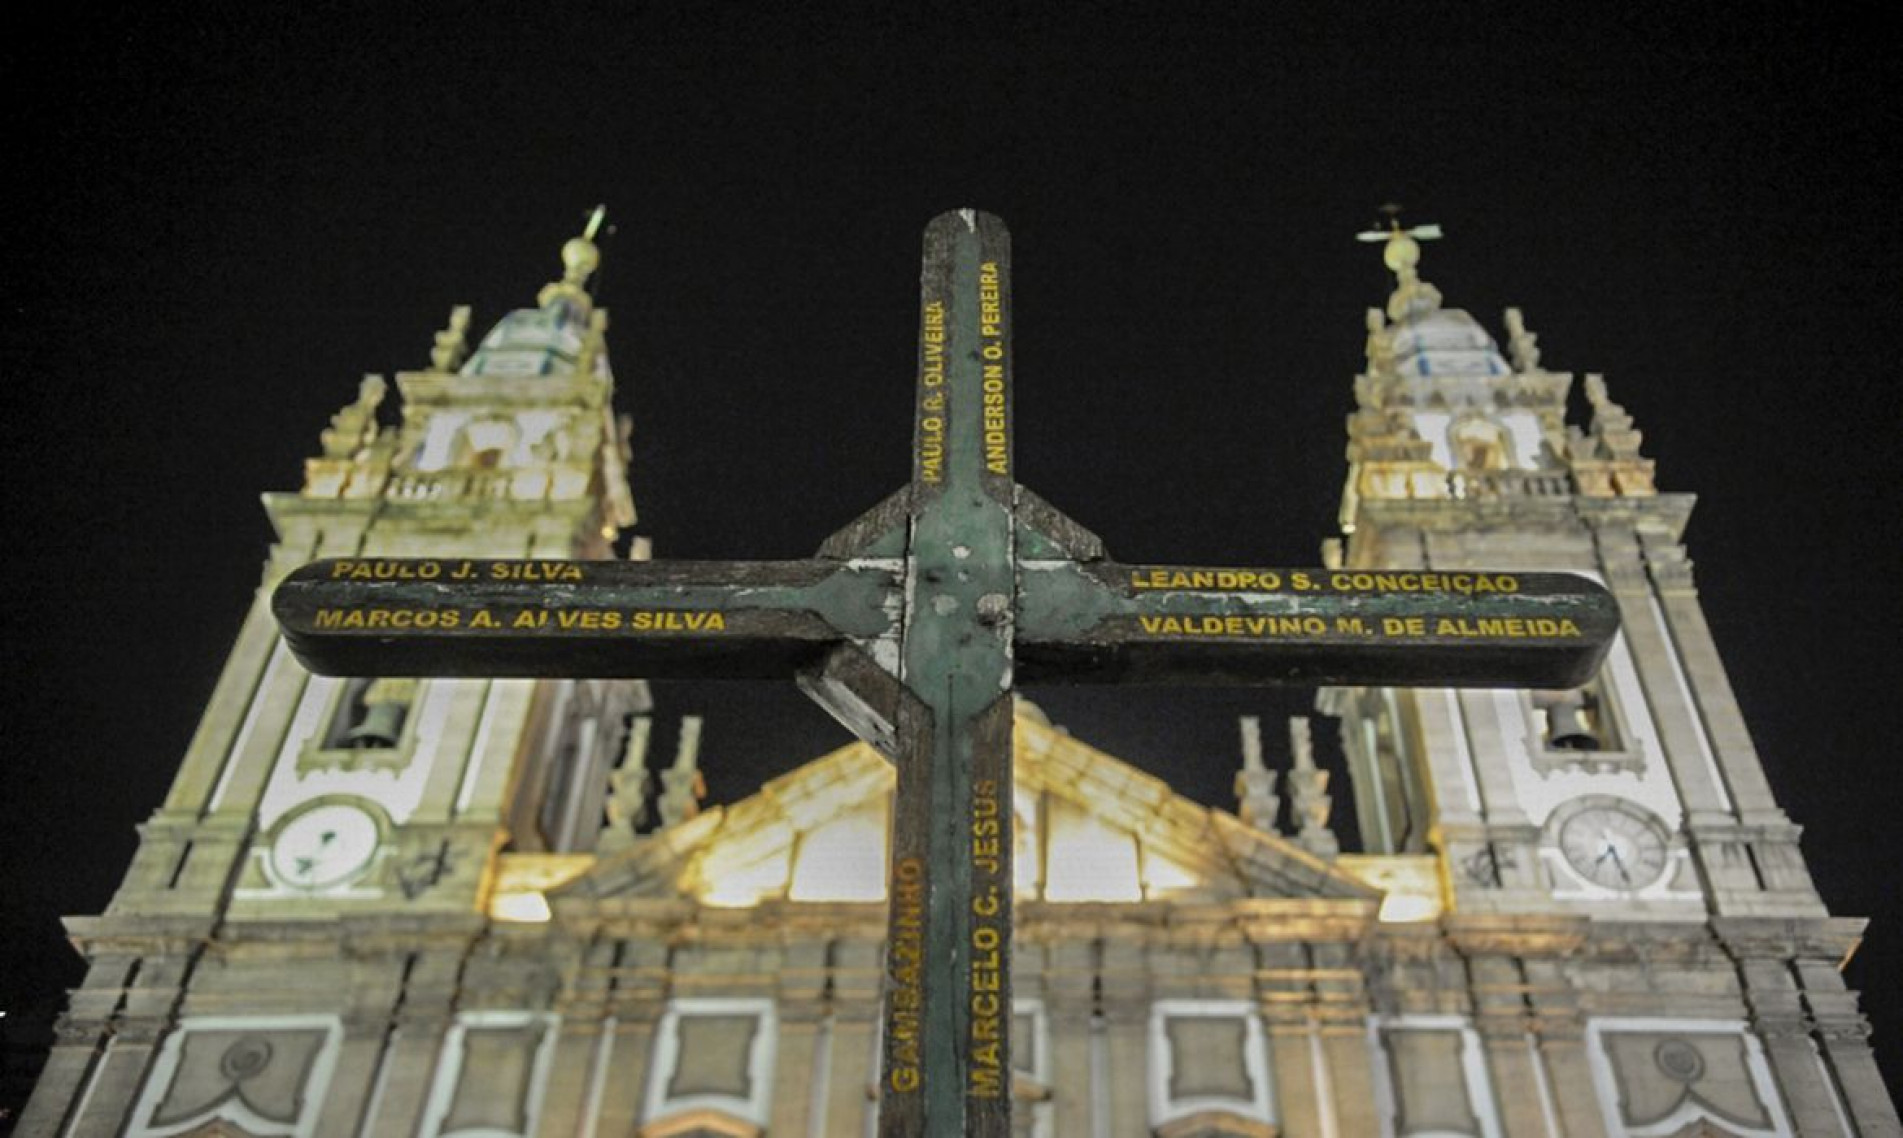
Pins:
<point x="439" y="388"/>
<point x="1786" y="938"/>
<point x="1513" y="935"/>
<point x="139" y="935"/>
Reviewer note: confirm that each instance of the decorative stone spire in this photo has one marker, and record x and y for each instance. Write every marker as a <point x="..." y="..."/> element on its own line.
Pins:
<point x="1308" y="784"/>
<point x="682" y="786"/>
<point x="1255" y="782"/>
<point x="355" y="426"/>
<point x="1380" y="347"/>
<point x="452" y="343"/>
<point x="1611" y="426"/>
<point x="628" y="785"/>
<point x="1524" y="345"/>
<point x="594" y="344"/>
<point x="1606" y="461"/>
<point x="357" y="452"/>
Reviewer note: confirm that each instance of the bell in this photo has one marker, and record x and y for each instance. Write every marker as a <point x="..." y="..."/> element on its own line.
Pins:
<point x="1567" y="728"/>
<point x="382" y="726"/>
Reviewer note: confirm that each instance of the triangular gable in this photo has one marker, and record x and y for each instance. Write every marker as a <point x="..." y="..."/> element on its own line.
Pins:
<point x="1090" y="828"/>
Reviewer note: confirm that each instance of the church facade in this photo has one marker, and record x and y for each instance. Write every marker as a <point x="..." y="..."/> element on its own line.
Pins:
<point x="493" y="908"/>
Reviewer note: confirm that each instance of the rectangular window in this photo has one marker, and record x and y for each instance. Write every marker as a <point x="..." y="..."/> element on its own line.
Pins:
<point x="1209" y="1061"/>
<point x="714" y="1056"/>
<point x="491" y="1076"/>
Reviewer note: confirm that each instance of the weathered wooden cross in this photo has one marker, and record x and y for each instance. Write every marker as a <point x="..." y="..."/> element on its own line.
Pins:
<point x="914" y="624"/>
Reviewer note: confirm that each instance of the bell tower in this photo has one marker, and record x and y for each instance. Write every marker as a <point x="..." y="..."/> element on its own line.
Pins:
<point x="1634" y="800"/>
<point x="375" y="808"/>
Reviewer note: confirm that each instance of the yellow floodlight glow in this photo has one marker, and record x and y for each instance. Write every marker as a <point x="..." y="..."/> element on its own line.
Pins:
<point x="1088" y="860"/>
<point x="1411" y="881"/>
<point x="520" y="908"/>
<point x="843" y="860"/>
<point x="1403" y="908"/>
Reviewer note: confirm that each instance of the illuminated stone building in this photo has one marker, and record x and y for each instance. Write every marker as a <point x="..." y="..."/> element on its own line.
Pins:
<point x="399" y="907"/>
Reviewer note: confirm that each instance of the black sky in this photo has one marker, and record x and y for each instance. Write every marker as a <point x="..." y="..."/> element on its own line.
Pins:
<point x="215" y="225"/>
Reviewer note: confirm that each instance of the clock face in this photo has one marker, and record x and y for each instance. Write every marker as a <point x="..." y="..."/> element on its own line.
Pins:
<point x="1615" y="845"/>
<point x="324" y="846"/>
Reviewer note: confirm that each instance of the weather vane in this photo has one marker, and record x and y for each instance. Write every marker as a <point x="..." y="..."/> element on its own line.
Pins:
<point x="1403" y="250"/>
<point x="594" y="223"/>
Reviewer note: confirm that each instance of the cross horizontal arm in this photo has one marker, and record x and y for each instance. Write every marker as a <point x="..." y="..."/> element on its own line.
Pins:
<point x="607" y="619"/>
<point x="1105" y="622"/>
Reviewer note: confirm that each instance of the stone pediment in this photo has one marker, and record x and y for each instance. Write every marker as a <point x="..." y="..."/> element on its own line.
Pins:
<point x="1091" y="828"/>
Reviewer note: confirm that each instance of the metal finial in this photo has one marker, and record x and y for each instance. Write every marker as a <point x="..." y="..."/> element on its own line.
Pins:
<point x="1401" y="250"/>
<point x="580" y="258"/>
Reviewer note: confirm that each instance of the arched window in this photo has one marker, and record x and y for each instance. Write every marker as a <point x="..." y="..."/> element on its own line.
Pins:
<point x="370" y="714"/>
<point x="1479" y="443"/>
<point x="487" y="444"/>
<point x="1578" y="719"/>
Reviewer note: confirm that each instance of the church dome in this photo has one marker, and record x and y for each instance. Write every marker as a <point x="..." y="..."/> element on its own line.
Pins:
<point x="533" y="341"/>
<point x="551" y="338"/>
<point x="1445" y="342"/>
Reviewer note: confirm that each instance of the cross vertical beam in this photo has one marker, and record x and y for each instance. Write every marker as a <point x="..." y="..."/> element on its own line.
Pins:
<point x="948" y="999"/>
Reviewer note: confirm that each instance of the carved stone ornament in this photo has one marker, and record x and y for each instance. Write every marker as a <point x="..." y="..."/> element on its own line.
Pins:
<point x="355" y="426"/>
<point x="265" y="1073"/>
<point x="1216" y="1124"/>
<point x="1661" y="1074"/>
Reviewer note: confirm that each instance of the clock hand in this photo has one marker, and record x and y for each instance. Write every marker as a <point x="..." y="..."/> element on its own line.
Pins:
<point x="1619" y="863"/>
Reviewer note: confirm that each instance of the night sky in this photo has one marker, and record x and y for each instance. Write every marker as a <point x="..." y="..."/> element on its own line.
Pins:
<point x="215" y="226"/>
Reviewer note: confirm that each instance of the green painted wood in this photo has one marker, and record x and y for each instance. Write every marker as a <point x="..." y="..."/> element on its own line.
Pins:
<point x="947" y="1067"/>
<point x="1108" y="623"/>
<point x="624" y="619"/>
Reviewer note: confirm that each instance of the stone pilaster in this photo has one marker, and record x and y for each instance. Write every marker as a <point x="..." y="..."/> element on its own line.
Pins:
<point x="231" y="699"/>
<point x="375" y="981"/>
<point x="1285" y="993"/>
<point x="571" y="1075"/>
<point x="1673" y="718"/>
<point x="410" y="1062"/>
<point x="1767" y="953"/>
<point x="1691" y="637"/>
<point x="1843" y="1036"/>
<point x="1064" y="977"/>
<point x="1126" y="1025"/>
<point x="1501" y="1017"/>
<point x="149" y="1011"/>
<point x="1341" y="1014"/>
<point x="80" y="1038"/>
<point x="1559" y="1033"/>
<point x="635" y="1003"/>
<point x="805" y="1047"/>
<point x="858" y="977"/>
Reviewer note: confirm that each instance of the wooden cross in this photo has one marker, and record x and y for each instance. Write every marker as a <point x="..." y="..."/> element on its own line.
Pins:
<point x="914" y="624"/>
